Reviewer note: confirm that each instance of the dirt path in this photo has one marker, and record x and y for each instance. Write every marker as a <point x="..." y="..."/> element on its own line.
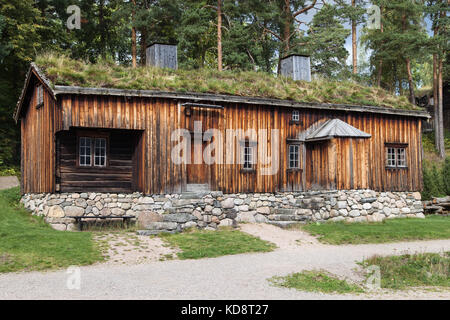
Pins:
<point x="242" y="276"/>
<point x="121" y="248"/>
<point x="283" y="238"/>
<point x="8" y="182"/>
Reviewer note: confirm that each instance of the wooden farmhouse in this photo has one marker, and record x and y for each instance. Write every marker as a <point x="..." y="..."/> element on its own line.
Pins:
<point x="79" y="138"/>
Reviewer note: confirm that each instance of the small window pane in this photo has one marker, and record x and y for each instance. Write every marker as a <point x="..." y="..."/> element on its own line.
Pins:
<point x="391" y="157"/>
<point x="401" y="157"/>
<point x="85" y="151"/>
<point x="295" y="115"/>
<point x="248" y="157"/>
<point x="39" y="95"/>
<point x="294" y="162"/>
<point x="100" y="152"/>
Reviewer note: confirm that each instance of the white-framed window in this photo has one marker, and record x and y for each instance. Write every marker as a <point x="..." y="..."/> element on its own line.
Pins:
<point x="248" y="157"/>
<point x="92" y="151"/>
<point x="39" y="95"/>
<point x="85" y="151"/>
<point x="395" y="157"/>
<point x="295" y="115"/>
<point x="401" y="157"/>
<point x="294" y="159"/>
<point x="100" y="152"/>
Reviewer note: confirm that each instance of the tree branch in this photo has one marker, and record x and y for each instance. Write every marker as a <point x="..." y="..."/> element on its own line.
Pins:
<point x="270" y="31"/>
<point x="305" y="9"/>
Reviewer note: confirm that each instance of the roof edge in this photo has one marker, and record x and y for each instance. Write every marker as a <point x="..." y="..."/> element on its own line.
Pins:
<point x="235" y="99"/>
<point x="42" y="77"/>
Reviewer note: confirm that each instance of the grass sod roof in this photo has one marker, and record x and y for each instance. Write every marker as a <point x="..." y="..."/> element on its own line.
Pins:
<point x="64" y="71"/>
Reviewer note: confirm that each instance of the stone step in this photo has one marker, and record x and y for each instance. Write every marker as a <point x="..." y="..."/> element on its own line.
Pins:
<point x="161" y="226"/>
<point x="152" y="232"/>
<point x="194" y="187"/>
<point x="284" y="224"/>
<point x="180" y="209"/>
<point x="287" y="217"/>
<point x="283" y="211"/>
<point x="193" y="195"/>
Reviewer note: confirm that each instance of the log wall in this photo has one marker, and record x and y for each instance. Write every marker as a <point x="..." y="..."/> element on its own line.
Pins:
<point x="358" y="163"/>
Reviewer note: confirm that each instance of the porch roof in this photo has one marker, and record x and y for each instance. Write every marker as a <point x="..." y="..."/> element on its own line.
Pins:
<point x="336" y="128"/>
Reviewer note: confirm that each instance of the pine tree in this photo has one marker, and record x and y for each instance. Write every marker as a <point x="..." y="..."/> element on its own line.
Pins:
<point x="197" y="35"/>
<point x="326" y="43"/>
<point x="402" y="41"/>
<point x="352" y="11"/>
<point x="439" y="45"/>
<point x="281" y="19"/>
<point x="19" y="39"/>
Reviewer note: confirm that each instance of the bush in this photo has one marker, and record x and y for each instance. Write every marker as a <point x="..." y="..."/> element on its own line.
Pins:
<point x="436" y="181"/>
<point x="5" y="171"/>
<point x="446" y="176"/>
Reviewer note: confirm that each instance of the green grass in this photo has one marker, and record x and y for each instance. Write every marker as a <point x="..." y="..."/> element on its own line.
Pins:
<point x="432" y="227"/>
<point x="316" y="281"/>
<point x="425" y="269"/>
<point x="210" y="244"/>
<point x="62" y="70"/>
<point x="27" y="243"/>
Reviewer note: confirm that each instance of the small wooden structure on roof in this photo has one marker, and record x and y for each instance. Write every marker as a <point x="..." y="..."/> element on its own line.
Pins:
<point x="77" y="139"/>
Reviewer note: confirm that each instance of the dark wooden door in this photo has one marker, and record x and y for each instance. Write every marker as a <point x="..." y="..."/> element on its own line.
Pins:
<point x="198" y="122"/>
<point x="198" y="172"/>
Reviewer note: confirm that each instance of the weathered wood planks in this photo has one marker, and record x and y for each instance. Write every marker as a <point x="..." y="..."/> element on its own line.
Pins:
<point x="342" y="163"/>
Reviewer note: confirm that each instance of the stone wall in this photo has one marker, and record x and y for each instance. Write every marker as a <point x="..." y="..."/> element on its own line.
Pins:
<point x="175" y="212"/>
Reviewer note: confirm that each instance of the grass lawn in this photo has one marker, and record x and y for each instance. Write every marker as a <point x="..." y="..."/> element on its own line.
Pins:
<point x="432" y="227"/>
<point x="28" y="243"/>
<point x="425" y="269"/>
<point x="316" y="281"/>
<point x="209" y="244"/>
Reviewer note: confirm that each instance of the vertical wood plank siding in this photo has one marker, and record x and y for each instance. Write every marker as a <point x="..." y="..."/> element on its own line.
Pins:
<point x="38" y="145"/>
<point x="339" y="163"/>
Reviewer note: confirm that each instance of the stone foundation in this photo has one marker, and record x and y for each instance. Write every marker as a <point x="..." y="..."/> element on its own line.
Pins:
<point x="175" y="212"/>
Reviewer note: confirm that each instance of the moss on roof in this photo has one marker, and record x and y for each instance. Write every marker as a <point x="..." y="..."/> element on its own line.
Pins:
<point x="62" y="70"/>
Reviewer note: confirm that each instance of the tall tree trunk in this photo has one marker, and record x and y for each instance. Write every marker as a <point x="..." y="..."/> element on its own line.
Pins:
<point x="219" y="35"/>
<point x="287" y="26"/>
<point x="354" y="47"/>
<point x="285" y="35"/>
<point x="143" y="43"/>
<point x="133" y="37"/>
<point x="380" y="64"/>
<point x="435" y="101"/>
<point x="441" y="146"/>
<point x="101" y="22"/>
<point x="412" y="97"/>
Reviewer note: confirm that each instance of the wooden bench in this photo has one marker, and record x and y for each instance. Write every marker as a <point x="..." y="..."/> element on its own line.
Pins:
<point x="79" y="219"/>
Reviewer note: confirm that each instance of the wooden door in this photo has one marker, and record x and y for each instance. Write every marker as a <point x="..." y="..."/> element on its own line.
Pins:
<point x="198" y="122"/>
<point x="197" y="170"/>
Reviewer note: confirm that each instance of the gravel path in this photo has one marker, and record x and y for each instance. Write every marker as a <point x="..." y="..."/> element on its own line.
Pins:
<point x="8" y="182"/>
<point x="128" y="248"/>
<point x="241" y="276"/>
